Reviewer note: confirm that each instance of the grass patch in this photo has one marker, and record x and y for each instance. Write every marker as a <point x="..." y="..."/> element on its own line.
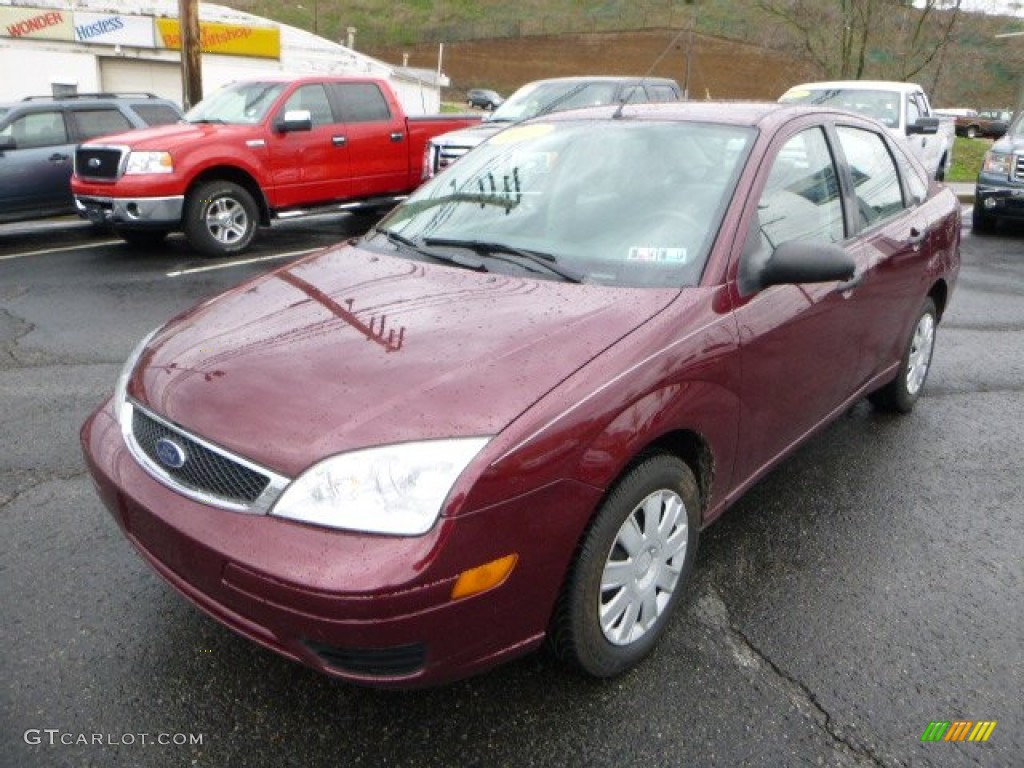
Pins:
<point x="967" y="158"/>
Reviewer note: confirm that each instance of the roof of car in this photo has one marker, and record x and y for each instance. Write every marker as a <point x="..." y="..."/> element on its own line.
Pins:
<point x="751" y="113"/>
<point x="83" y="98"/>
<point x="858" y="85"/>
<point x="607" y="79"/>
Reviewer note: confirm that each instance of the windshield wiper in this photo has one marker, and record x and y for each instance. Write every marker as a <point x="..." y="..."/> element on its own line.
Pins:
<point x="209" y="120"/>
<point x="546" y="260"/>
<point x="406" y="242"/>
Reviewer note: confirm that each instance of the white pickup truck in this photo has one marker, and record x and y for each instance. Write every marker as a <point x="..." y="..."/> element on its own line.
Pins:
<point x="902" y="107"/>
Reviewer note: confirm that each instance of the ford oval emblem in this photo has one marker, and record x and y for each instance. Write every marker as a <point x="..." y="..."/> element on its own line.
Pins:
<point x="94" y="162"/>
<point x="170" y="453"/>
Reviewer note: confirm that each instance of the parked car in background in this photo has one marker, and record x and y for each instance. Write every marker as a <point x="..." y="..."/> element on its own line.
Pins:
<point x="38" y="137"/>
<point x="988" y="123"/>
<point x="256" y="151"/>
<point x="542" y="97"/>
<point x="999" y="192"/>
<point x="484" y="98"/>
<point x="506" y="413"/>
<point x="903" y="108"/>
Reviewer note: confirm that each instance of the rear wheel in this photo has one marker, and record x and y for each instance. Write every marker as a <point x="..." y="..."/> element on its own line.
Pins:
<point x="972" y="131"/>
<point x="220" y="218"/>
<point x="902" y="393"/>
<point x="630" y="569"/>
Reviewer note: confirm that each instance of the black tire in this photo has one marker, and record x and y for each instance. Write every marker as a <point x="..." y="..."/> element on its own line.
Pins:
<point x="980" y="221"/>
<point x="143" y="238"/>
<point x="901" y="394"/>
<point x="220" y="218"/>
<point x="576" y="634"/>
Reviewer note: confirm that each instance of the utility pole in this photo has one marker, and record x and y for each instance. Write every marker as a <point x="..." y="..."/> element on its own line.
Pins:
<point x="191" y="62"/>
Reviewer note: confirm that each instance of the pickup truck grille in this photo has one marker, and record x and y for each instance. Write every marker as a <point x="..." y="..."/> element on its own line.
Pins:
<point x="100" y="163"/>
<point x="446" y="155"/>
<point x="1017" y="168"/>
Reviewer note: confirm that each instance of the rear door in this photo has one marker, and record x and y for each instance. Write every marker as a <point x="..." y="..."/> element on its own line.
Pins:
<point x="377" y="139"/>
<point x="35" y="176"/>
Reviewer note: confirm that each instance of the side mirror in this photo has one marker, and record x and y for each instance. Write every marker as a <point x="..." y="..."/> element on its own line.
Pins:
<point x="924" y="125"/>
<point x="795" y="262"/>
<point x="295" y="120"/>
<point x="7" y="143"/>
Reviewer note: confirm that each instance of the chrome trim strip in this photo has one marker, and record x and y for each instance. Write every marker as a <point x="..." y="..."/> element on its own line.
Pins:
<point x="261" y="506"/>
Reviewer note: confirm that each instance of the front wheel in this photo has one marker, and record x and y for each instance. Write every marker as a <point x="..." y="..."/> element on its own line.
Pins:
<point x="630" y="570"/>
<point x="902" y="393"/>
<point x="220" y="218"/>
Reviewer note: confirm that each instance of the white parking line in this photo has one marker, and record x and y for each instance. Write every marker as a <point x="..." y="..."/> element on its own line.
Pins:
<point x="229" y="264"/>
<point x="45" y="251"/>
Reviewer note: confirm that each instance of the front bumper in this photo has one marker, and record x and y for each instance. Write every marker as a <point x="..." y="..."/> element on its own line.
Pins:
<point x="376" y="610"/>
<point x="134" y="212"/>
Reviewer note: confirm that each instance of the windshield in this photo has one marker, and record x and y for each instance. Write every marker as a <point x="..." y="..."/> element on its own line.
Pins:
<point x="884" y="106"/>
<point x="239" y="103"/>
<point x="614" y="203"/>
<point x="540" y="98"/>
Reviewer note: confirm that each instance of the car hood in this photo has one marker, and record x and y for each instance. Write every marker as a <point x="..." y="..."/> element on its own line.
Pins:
<point x="349" y="349"/>
<point x="165" y="138"/>
<point x="1008" y="143"/>
<point x="470" y="137"/>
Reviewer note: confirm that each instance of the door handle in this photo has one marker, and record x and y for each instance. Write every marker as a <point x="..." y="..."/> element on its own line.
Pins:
<point x="397" y="136"/>
<point x="57" y="158"/>
<point x="339" y="141"/>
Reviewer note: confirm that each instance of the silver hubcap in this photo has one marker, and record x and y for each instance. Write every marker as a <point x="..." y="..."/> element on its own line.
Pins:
<point x="920" y="353"/>
<point x="227" y="220"/>
<point x="643" y="567"/>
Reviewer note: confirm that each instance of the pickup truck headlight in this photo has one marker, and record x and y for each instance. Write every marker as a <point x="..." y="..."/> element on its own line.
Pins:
<point x="393" y="489"/>
<point x="149" y="162"/>
<point x="996" y="162"/>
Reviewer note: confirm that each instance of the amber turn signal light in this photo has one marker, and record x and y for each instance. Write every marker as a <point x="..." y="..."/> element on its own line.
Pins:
<point x="483" y="577"/>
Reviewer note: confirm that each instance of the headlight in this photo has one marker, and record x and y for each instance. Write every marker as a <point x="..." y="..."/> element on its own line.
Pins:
<point x="395" y="489"/>
<point x="148" y="162"/>
<point x="121" y="389"/>
<point x="996" y="162"/>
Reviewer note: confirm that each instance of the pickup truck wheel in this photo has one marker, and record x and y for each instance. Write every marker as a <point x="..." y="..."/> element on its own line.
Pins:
<point x="142" y="238"/>
<point x="220" y="218"/>
<point x="630" y="570"/>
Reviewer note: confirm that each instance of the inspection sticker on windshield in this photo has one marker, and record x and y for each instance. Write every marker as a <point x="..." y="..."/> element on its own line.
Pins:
<point x="652" y="255"/>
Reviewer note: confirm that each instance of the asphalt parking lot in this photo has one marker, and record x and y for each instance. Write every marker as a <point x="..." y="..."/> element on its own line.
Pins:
<point x="867" y="587"/>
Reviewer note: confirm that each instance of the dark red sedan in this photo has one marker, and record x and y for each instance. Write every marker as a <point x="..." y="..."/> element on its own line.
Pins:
<point x="505" y="414"/>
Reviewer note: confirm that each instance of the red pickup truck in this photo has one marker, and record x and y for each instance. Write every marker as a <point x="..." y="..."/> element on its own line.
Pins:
<point x="253" y="152"/>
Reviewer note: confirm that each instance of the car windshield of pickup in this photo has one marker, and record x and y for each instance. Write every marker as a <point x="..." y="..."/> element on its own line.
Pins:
<point x="542" y="98"/>
<point x="238" y="103"/>
<point x="883" y="106"/>
<point x="617" y="202"/>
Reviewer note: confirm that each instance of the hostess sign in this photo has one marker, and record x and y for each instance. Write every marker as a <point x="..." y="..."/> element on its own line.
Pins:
<point x="135" y="31"/>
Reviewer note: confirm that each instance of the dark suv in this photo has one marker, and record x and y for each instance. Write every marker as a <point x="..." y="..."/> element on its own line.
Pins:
<point x="484" y="98"/>
<point x="38" y="137"/>
<point x="999" y="193"/>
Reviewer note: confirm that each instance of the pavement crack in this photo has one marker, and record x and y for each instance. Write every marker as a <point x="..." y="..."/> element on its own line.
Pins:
<point x="713" y="612"/>
<point x="29" y="484"/>
<point x="12" y="330"/>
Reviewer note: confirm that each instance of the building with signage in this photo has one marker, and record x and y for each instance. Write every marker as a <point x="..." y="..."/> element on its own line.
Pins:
<point x="87" y="46"/>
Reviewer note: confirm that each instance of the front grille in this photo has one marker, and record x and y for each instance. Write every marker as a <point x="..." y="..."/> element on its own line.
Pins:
<point x="1017" y="169"/>
<point x="446" y="155"/>
<point x="92" y="162"/>
<point x="203" y="471"/>
<point x="380" y="662"/>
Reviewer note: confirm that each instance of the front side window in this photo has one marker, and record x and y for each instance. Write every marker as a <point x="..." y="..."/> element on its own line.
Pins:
<point x="312" y="98"/>
<point x="37" y="129"/>
<point x="801" y="198"/>
<point x="616" y="203"/>
<point x="875" y="178"/>
<point x="99" y="122"/>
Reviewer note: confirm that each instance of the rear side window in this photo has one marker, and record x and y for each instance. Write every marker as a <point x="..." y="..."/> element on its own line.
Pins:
<point x="875" y="178"/>
<point x="37" y="129"/>
<point x="362" y="103"/>
<point x="156" y="114"/>
<point x="99" y="122"/>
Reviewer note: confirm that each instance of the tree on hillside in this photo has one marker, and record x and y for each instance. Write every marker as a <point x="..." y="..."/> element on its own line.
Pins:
<point x="851" y="39"/>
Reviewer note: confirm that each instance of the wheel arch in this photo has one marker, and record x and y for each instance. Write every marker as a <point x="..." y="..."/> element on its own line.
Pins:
<point x="939" y="293"/>
<point x="241" y="178"/>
